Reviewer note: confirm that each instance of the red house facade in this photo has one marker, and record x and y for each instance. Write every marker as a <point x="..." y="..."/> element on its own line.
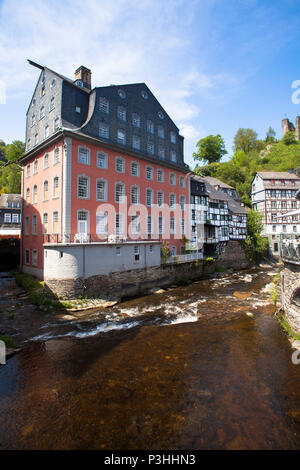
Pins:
<point x="101" y="166"/>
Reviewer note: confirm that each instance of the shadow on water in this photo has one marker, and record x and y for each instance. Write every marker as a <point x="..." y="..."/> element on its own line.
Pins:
<point x="193" y="372"/>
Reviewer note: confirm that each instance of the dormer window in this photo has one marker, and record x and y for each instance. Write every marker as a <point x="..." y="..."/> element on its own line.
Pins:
<point x="121" y="136"/>
<point x="173" y="137"/>
<point x="150" y="127"/>
<point x="77" y="109"/>
<point x="79" y="83"/>
<point x="121" y="112"/>
<point x="122" y="94"/>
<point x="160" y="115"/>
<point x="161" y="132"/>
<point x="104" y="105"/>
<point x="136" y="120"/>
<point x="103" y="130"/>
<point x="144" y="95"/>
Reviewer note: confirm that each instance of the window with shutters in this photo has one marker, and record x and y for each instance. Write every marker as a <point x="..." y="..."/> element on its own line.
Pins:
<point x="83" y="187"/>
<point x="104" y="104"/>
<point x="172" y="200"/>
<point x="55" y="187"/>
<point x="83" y="155"/>
<point x="45" y="222"/>
<point x="149" y="197"/>
<point x="119" y="224"/>
<point x="101" y="190"/>
<point x="46" y="161"/>
<point x="135" y="195"/>
<point x="34" y="195"/>
<point x="55" y="222"/>
<point x="46" y="190"/>
<point x="101" y="160"/>
<point x="135" y="169"/>
<point x="104" y="130"/>
<point x="149" y="173"/>
<point x="120" y="165"/>
<point x="34" y="225"/>
<point x="160" y="198"/>
<point x="119" y="192"/>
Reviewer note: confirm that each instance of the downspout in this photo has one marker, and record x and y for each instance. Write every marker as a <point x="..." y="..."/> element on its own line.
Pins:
<point x="21" y="238"/>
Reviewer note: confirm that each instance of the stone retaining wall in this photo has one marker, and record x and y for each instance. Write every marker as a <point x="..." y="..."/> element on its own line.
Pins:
<point x="290" y="295"/>
<point x="118" y="285"/>
<point x="233" y="256"/>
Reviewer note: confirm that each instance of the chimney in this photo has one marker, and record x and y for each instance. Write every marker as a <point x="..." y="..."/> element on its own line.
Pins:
<point x="83" y="77"/>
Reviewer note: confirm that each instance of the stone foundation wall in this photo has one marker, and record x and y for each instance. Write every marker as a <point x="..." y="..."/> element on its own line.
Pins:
<point x="118" y="285"/>
<point x="290" y="295"/>
<point x="233" y="256"/>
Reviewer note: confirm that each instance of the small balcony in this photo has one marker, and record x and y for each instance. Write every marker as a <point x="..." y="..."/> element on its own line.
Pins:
<point x="290" y="248"/>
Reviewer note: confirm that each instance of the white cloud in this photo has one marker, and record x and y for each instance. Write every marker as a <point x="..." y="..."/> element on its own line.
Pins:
<point x="122" y="41"/>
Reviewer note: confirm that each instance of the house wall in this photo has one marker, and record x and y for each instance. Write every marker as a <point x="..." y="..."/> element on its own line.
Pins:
<point x="52" y="204"/>
<point x="86" y="260"/>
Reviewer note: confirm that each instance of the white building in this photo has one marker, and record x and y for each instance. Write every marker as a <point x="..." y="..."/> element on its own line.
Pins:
<point x="274" y="195"/>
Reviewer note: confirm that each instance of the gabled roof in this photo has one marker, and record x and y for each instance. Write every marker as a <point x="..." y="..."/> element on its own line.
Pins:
<point x="5" y="198"/>
<point x="215" y="182"/>
<point x="277" y="175"/>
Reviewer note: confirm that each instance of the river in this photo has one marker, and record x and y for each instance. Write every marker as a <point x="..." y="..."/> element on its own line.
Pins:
<point x="189" y="368"/>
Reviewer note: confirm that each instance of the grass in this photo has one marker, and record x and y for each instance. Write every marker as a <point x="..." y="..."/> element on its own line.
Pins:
<point x="286" y="326"/>
<point x="274" y="295"/>
<point x="9" y="342"/>
<point x="36" y="293"/>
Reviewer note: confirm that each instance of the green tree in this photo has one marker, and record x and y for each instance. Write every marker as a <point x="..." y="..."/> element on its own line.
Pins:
<point x="255" y="246"/>
<point x="10" y="171"/>
<point x="240" y="158"/>
<point x="289" y="138"/>
<point x="210" y="149"/>
<point x="245" y="139"/>
<point x="270" y="135"/>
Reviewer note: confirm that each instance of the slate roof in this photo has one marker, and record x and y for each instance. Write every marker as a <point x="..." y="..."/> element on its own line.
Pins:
<point x="5" y="198"/>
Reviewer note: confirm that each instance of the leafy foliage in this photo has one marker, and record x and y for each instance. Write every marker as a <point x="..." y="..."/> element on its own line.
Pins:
<point x="210" y="149"/>
<point x="252" y="155"/>
<point x="10" y="171"/>
<point x="255" y="246"/>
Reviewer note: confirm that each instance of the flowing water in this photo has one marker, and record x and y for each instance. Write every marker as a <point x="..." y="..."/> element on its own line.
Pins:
<point x="186" y="369"/>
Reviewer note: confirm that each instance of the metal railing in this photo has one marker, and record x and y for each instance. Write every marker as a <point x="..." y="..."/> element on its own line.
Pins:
<point x="183" y="258"/>
<point x="290" y="247"/>
<point x="76" y="238"/>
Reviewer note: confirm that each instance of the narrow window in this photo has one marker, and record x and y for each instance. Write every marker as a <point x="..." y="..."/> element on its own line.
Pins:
<point x="56" y="156"/>
<point x="83" y="155"/>
<point x="34" y="201"/>
<point x="55" y="222"/>
<point x="101" y="190"/>
<point x="119" y="192"/>
<point x="104" y="105"/>
<point x="120" y="165"/>
<point x="101" y="223"/>
<point x="83" y="184"/>
<point x="101" y="160"/>
<point x="104" y="130"/>
<point x="55" y="187"/>
<point x="45" y="223"/>
<point x="46" y="190"/>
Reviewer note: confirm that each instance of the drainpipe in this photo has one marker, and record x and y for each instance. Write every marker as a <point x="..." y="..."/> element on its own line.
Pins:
<point x="21" y="237"/>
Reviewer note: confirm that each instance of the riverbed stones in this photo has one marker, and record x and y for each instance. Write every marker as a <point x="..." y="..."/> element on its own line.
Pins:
<point x="242" y="295"/>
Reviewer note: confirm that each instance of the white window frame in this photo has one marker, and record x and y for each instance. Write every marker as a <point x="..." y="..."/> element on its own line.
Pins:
<point x="103" y="215"/>
<point x="88" y="187"/>
<point x="151" y="173"/>
<point x="134" y="186"/>
<point x="151" y="192"/>
<point x="105" y="160"/>
<point x="121" y="200"/>
<point x="137" y="168"/>
<point x="118" y="158"/>
<point x="86" y="149"/>
<point x="102" y="180"/>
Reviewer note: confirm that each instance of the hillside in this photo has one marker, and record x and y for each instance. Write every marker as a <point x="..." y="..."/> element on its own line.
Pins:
<point x="242" y="166"/>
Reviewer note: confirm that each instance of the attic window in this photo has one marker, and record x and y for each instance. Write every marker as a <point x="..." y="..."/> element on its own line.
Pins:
<point x="122" y="94"/>
<point x="53" y="81"/>
<point x="77" y="109"/>
<point x="144" y="94"/>
<point x="79" y="83"/>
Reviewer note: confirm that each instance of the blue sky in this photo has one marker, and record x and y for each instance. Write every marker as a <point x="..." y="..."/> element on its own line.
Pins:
<point x="215" y="65"/>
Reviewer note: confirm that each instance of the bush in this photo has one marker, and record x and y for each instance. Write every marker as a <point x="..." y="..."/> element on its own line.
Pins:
<point x="35" y="291"/>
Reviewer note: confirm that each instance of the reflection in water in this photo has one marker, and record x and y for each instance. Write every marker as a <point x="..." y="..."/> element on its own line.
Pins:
<point x="187" y="369"/>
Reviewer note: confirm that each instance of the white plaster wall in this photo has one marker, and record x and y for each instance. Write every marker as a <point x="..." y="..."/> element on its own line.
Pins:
<point x="91" y="260"/>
